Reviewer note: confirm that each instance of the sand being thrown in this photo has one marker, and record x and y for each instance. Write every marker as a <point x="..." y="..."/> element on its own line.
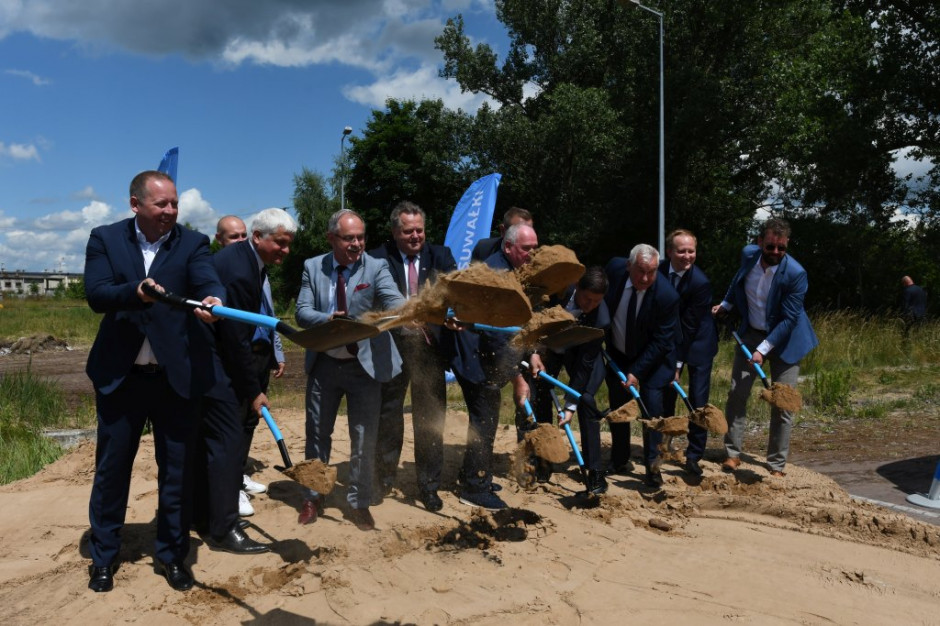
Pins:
<point x="550" y="270"/>
<point x="782" y="396"/>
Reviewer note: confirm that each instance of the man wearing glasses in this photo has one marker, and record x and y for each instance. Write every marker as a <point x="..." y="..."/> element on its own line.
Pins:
<point x="768" y="292"/>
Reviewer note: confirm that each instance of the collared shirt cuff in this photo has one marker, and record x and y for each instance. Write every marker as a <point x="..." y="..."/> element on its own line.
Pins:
<point x="764" y="348"/>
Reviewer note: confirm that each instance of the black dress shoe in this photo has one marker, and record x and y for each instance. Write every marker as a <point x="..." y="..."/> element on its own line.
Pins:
<point x="431" y="501"/>
<point x="101" y="578"/>
<point x="653" y="478"/>
<point x="237" y="542"/>
<point x="176" y="574"/>
<point x="621" y="470"/>
<point x="692" y="467"/>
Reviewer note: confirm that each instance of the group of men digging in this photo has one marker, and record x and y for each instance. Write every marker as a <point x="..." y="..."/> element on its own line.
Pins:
<point x="201" y="381"/>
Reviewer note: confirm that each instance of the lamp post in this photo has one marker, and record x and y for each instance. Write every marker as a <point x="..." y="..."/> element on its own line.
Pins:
<point x="662" y="134"/>
<point x="342" y="174"/>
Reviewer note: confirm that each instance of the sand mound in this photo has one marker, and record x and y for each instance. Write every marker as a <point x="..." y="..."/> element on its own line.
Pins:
<point x="782" y="396"/>
<point x="711" y="418"/>
<point x="678" y="425"/>
<point x="32" y="344"/>
<point x="626" y="412"/>
<point x="551" y="558"/>
<point x="542" y="325"/>
<point x="550" y="270"/>
<point x="486" y="296"/>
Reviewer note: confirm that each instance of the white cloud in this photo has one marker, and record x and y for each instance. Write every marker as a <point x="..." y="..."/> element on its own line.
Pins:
<point x="18" y="151"/>
<point x="197" y="212"/>
<point x="88" y="193"/>
<point x="37" y="80"/>
<point x="421" y="83"/>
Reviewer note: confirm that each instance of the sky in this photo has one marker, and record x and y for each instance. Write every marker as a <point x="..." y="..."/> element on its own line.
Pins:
<point x="93" y="92"/>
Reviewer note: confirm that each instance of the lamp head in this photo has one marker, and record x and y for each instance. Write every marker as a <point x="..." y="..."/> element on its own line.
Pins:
<point x="347" y="130"/>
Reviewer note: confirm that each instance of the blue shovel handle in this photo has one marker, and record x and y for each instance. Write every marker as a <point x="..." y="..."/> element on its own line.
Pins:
<point x="623" y="379"/>
<point x="683" y="395"/>
<point x="278" y="438"/>
<point x="747" y="353"/>
<point x="555" y="382"/>
<point x="568" y="433"/>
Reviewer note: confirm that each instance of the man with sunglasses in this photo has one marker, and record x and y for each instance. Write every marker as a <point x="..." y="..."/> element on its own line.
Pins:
<point x="768" y="292"/>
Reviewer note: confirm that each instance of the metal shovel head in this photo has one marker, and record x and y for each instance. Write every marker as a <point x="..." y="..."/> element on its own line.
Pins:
<point x="482" y="295"/>
<point x="333" y="334"/>
<point x="313" y="474"/>
<point x="572" y="336"/>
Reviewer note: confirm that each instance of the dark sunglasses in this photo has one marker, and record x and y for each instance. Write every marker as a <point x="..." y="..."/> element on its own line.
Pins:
<point x="771" y="247"/>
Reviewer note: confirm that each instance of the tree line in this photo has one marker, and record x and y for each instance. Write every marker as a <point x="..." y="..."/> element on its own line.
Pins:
<point x="792" y="108"/>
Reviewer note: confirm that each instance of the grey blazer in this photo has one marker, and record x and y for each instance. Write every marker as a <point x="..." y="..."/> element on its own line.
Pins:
<point x="370" y="288"/>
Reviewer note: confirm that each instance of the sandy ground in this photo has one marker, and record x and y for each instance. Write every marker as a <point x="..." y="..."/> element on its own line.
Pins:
<point x="745" y="549"/>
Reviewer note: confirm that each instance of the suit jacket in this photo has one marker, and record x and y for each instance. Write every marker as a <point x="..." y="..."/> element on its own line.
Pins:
<point x="914" y="302"/>
<point x="789" y="330"/>
<point x="697" y="343"/>
<point x="370" y="288"/>
<point x="486" y="248"/>
<point x="433" y="261"/>
<point x="656" y="326"/>
<point x="484" y="356"/>
<point x="114" y="266"/>
<point x="237" y="266"/>
<point x="582" y="362"/>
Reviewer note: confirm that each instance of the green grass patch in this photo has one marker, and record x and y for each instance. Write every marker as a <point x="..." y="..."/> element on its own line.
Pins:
<point x="70" y="320"/>
<point x="31" y="405"/>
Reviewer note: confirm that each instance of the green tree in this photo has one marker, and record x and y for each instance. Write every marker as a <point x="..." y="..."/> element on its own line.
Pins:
<point x="410" y="151"/>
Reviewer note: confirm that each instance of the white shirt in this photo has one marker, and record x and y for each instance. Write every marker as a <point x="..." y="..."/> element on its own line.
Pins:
<point x="757" y="284"/>
<point x="149" y="250"/>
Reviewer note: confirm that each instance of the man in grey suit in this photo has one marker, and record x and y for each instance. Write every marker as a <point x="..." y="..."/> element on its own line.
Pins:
<point x="768" y="292"/>
<point x="347" y="283"/>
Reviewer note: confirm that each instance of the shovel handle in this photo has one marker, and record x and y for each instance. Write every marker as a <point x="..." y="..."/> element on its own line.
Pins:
<point x="278" y="438"/>
<point x="683" y="395"/>
<point x="623" y="378"/>
<point x="555" y="382"/>
<point x="568" y="433"/>
<point x="747" y="353"/>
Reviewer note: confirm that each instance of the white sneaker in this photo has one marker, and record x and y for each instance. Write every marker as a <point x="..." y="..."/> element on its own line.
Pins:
<point x="250" y="486"/>
<point x="244" y="506"/>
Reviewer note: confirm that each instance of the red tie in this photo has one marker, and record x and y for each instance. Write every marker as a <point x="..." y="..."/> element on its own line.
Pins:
<point x="412" y="276"/>
<point x="341" y="303"/>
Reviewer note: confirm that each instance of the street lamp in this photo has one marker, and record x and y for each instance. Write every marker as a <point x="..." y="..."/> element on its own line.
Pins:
<point x="662" y="140"/>
<point x="342" y="174"/>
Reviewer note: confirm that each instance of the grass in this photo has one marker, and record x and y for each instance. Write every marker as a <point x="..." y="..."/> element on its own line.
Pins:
<point x="70" y="320"/>
<point x="31" y="405"/>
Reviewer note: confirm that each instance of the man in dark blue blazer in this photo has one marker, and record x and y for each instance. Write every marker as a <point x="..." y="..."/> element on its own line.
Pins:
<point x="697" y="343"/>
<point x="642" y="342"/>
<point x="412" y="262"/>
<point x="485" y="248"/>
<point x="148" y="361"/>
<point x="767" y="292"/>
<point x="241" y="382"/>
<point x="483" y="363"/>
<point x="585" y="367"/>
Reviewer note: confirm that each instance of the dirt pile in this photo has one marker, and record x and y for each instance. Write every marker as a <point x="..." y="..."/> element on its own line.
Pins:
<point x="782" y="396"/>
<point x="33" y="344"/>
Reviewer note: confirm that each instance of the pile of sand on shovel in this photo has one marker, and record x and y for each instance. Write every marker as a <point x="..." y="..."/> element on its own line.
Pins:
<point x="782" y="396"/>
<point x="314" y="474"/>
<point x="550" y="270"/>
<point x="545" y="442"/>
<point x="626" y="412"/>
<point x="477" y="294"/>
<point x="543" y="324"/>
<point x="676" y="425"/>
<point x="711" y="418"/>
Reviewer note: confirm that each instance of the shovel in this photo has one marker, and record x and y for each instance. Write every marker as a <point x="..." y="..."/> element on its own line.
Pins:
<point x="782" y="396"/>
<point x="574" y="447"/>
<point x="708" y="417"/>
<point x="322" y="337"/>
<point x="312" y="473"/>
<point x="665" y="425"/>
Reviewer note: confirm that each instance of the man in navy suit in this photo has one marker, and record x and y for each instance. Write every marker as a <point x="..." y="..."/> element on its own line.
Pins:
<point x="768" y="292"/>
<point x="642" y="342"/>
<point x="697" y="343"/>
<point x="149" y="361"/>
<point x="585" y="367"/>
<point x="242" y="379"/>
<point x="483" y="363"/>
<point x="413" y="262"/>
<point x="486" y="248"/>
<point x="347" y="282"/>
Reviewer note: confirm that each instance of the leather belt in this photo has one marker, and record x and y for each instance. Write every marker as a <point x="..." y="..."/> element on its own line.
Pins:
<point x="150" y="369"/>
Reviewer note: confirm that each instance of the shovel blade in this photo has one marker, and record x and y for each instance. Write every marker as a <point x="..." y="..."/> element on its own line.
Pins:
<point x="333" y="334"/>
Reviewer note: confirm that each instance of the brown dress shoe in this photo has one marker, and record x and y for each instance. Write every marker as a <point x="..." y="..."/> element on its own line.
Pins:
<point x="310" y="511"/>
<point x="362" y="519"/>
<point x="731" y="463"/>
<point x="778" y="473"/>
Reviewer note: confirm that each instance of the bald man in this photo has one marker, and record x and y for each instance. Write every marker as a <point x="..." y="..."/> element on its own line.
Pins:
<point x="229" y="230"/>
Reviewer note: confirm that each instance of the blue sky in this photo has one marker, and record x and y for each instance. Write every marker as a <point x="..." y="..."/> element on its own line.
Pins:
<point x="251" y="91"/>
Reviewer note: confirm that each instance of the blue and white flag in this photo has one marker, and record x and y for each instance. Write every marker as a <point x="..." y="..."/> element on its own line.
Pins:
<point x="169" y="162"/>
<point x="472" y="218"/>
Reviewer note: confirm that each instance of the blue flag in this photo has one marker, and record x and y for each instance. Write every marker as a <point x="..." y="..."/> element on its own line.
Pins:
<point x="472" y="218"/>
<point x="169" y="162"/>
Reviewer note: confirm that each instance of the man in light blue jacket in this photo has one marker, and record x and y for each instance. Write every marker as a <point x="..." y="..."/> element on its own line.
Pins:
<point x="768" y="292"/>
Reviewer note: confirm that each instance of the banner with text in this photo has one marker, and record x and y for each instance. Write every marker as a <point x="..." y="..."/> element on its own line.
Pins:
<point x="472" y="218"/>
